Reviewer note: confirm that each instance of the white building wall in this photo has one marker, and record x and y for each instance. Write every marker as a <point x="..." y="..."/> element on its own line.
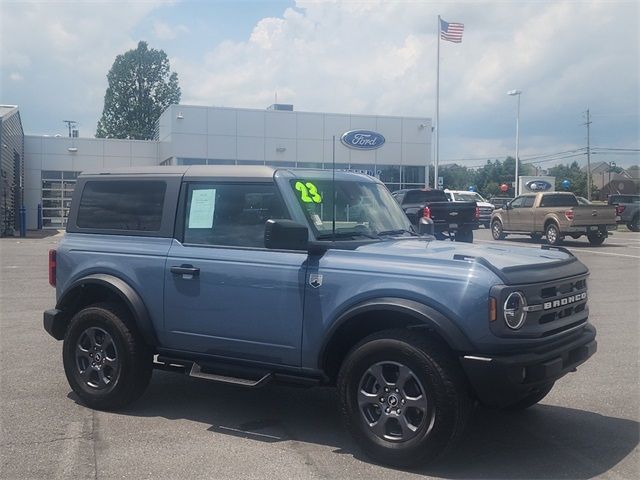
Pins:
<point x="233" y="134"/>
<point x="54" y="154"/>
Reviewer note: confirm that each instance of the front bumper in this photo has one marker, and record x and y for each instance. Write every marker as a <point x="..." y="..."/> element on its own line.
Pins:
<point x="501" y="380"/>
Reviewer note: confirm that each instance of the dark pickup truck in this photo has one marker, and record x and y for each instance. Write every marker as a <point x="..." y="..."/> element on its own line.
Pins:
<point x="431" y="211"/>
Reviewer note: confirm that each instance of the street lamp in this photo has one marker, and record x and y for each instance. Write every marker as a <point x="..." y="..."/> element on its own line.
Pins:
<point x="517" y="93"/>
<point x="611" y="165"/>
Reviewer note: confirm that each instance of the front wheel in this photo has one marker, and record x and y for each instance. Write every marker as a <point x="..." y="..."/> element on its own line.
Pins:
<point x="106" y="362"/>
<point x="596" y="238"/>
<point x="552" y="233"/>
<point x="496" y="230"/>
<point x="403" y="397"/>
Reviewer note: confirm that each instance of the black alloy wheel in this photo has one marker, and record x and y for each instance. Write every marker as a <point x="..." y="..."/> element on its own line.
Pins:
<point x="403" y="397"/>
<point x="106" y="361"/>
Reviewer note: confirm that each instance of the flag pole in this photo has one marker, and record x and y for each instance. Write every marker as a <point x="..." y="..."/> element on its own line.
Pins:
<point x="437" y="159"/>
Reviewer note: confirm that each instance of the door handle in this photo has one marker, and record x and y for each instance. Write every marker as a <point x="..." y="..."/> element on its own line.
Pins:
<point x="187" y="271"/>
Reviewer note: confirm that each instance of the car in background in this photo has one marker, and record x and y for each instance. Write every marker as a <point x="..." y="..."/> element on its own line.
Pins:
<point x="618" y="198"/>
<point x="430" y="211"/>
<point x="485" y="208"/>
<point x="500" y="202"/>
<point x="629" y="214"/>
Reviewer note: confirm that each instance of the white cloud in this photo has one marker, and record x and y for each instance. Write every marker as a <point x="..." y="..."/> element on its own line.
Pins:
<point x="164" y="31"/>
<point x="15" y="76"/>
<point x="380" y="58"/>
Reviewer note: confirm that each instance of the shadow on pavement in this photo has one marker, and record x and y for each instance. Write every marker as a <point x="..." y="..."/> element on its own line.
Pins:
<point x="543" y="442"/>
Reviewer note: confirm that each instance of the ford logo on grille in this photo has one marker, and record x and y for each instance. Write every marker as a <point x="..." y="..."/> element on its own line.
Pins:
<point x="538" y="185"/>
<point x="362" y="139"/>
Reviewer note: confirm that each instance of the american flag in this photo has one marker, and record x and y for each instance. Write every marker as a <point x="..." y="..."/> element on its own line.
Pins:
<point x="452" y="32"/>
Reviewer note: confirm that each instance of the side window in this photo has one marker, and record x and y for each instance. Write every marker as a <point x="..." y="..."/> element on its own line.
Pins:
<point x="127" y="205"/>
<point x="517" y="203"/>
<point x="528" y="202"/>
<point x="231" y="214"/>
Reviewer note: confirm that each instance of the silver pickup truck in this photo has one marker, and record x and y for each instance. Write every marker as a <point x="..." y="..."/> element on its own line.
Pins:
<point x="555" y="215"/>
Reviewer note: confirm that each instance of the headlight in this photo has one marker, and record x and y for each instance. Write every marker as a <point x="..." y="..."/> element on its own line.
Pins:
<point x="513" y="311"/>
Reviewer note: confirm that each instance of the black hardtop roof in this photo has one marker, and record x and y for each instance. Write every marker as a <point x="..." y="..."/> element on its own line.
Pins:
<point x="222" y="172"/>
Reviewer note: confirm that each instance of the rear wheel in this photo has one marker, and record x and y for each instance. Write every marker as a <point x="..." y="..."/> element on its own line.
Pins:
<point x="496" y="230"/>
<point x="596" y="238"/>
<point x="531" y="399"/>
<point x="552" y="232"/>
<point x="403" y="397"/>
<point x="633" y="224"/>
<point x="106" y="362"/>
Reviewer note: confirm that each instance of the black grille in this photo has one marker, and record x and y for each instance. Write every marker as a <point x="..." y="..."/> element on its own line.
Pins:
<point x="556" y="306"/>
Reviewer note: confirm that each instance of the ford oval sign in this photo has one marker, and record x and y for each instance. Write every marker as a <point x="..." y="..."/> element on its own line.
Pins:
<point x="362" y="139"/>
<point x="538" y="185"/>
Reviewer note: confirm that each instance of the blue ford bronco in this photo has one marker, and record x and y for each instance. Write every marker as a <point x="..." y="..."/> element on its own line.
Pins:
<point x="250" y="275"/>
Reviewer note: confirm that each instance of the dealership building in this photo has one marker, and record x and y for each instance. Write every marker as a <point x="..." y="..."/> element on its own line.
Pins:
<point x="395" y="149"/>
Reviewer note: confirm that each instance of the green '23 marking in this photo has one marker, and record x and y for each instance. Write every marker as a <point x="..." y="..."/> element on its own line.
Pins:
<point x="308" y="192"/>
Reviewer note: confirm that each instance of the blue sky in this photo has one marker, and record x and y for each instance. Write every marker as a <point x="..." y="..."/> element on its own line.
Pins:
<point x="369" y="57"/>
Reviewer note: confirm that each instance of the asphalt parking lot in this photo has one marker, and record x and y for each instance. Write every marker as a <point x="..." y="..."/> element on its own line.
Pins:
<point x="183" y="428"/>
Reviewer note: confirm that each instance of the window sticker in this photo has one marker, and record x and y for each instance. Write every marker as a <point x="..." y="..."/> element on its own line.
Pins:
<point x="203" y="203"/>
<point x="308" y="192"/>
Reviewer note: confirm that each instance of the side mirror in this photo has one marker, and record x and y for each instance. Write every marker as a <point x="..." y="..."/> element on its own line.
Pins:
<point x="284" y="234"/>
<point x="507" y="206"/>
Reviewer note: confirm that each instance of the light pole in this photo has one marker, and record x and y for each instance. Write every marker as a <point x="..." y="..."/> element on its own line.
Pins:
<point x="611" y="165"/>
<point x="517" y="93"/>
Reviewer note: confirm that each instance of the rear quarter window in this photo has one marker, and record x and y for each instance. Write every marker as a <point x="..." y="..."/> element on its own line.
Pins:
<point x="124" y="205"/>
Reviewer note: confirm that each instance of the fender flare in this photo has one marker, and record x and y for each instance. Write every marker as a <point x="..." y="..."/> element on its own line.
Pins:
<point x="427" y="317"/>
<point x="124" y="291"/>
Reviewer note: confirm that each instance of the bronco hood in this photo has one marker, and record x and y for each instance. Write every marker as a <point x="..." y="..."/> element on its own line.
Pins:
<point x="512" y="264"/>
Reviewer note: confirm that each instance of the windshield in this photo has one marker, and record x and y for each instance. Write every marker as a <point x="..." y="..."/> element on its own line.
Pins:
<point x="363" y="209"/>
<point x="468" y="197"/>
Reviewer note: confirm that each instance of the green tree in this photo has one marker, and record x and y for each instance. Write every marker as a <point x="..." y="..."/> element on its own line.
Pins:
<point x="141" y="87"/>
<point x="576" y="175"/>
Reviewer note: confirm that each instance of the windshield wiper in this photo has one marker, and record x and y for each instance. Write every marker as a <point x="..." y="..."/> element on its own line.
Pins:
<point x="324" y="236"/>
<point x="396" y="232"/>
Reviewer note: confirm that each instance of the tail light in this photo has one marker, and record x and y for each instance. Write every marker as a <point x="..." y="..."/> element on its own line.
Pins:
<point x="52" y="268"/>
<point x="426" y="212"/>
<point x="477" y="213"/>
<point x="569" y="214"/>
<point x="619" y="209"/>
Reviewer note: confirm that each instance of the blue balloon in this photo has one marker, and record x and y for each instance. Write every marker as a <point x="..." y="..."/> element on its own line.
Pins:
<point x="566" y="184"/>
<point x="472" y="188"/>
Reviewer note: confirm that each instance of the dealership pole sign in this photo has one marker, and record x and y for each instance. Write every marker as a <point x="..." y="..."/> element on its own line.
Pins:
<point x="362" y="139"/>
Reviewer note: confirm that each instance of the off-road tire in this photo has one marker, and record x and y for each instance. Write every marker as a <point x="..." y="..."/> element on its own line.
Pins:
<point x="134" y="358"/>
<point x="531" y="399"/>
<point x="496" y="230"/>
<point x="445" y="389"/>
<point x="552" y="232"/>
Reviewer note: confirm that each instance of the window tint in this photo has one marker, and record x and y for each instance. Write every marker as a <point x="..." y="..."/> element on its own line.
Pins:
<point x="231" y="214"/>
<point x="423" y="196"/>
<point x="122" y="205"/>
<point x="517" y="203"/>
<point x="528" y="202"/>
<point x="558" y="201"/>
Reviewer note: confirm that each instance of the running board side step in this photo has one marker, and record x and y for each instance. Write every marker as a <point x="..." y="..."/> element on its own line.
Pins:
<point x="196" y="371"/>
